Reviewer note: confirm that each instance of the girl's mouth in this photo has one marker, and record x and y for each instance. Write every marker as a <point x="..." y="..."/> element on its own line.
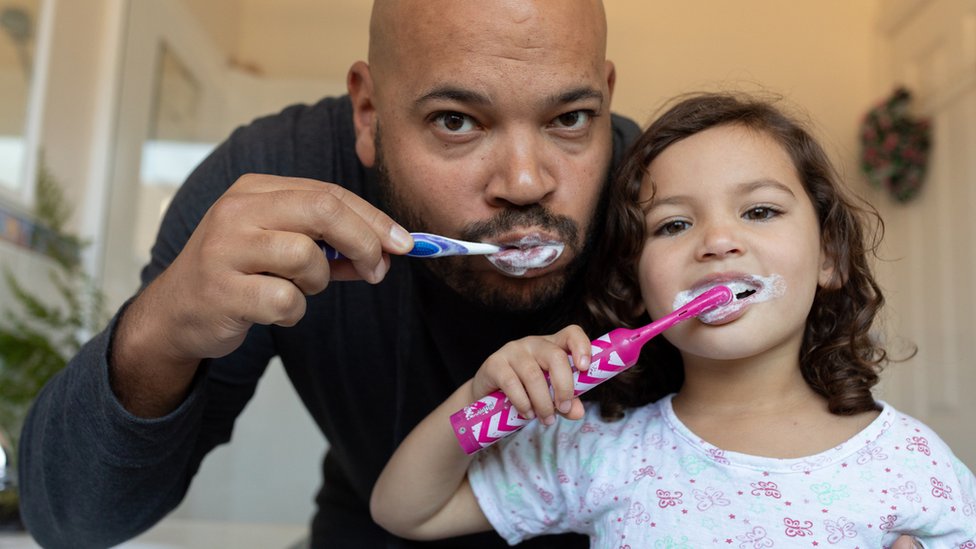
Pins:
<point x="748" y="290"/>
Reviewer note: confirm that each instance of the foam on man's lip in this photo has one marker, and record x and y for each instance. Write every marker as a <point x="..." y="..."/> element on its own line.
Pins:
<point x="763" y="288"/>
<point x="529" y="253"/>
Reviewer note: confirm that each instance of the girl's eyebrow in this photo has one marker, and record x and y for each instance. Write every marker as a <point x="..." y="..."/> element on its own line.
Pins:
<point x="745" y="187"/>
<point x="750" y="186"/>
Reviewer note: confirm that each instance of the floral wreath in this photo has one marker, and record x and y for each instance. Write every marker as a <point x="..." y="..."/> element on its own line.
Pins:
<point x="895" y="147"/>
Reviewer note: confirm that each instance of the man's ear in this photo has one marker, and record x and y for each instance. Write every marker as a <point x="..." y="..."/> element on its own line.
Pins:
<point x="359" y="82"/>
<point x="611" y="73"/>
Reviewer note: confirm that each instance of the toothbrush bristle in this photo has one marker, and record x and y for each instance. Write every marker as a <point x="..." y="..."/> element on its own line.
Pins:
<point x="423" y="249"/>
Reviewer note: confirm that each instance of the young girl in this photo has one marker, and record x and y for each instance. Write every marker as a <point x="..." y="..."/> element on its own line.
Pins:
<point x="752" y="426"/>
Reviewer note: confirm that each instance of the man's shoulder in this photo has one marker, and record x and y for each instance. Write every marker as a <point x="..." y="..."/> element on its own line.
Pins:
<point x="310" y="140"/>
<point x="301" y="120"/>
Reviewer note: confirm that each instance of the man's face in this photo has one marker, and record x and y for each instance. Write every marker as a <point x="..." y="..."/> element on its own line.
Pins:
<point x="495" y="127"/>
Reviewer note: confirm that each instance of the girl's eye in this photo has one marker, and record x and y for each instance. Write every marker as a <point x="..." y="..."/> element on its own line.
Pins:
<point x="573" y="120"/>
<point x="672" y="228"/>
<point x="454" y="122"/>
<point x="761" y="213"/>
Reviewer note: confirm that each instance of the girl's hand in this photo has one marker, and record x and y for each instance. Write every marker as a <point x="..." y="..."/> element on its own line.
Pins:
<point x="518" y="369"/>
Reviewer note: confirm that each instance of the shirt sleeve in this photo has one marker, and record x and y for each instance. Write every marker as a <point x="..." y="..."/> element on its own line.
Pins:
<point x="548" y="480"/>
<point x="940" y="510"/>
<point x="90" y="473"/>
<point x="954" y="494"/>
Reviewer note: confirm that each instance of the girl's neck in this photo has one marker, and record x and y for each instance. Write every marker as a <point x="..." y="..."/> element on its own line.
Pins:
<point x="768" y="383"/>
<point x="760" y="407"/>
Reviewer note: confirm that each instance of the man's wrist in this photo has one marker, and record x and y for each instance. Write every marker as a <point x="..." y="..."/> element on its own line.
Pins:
<point x="144" y="377"/>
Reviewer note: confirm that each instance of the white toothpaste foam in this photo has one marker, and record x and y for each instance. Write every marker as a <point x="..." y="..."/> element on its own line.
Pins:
<point x="518" y="261"/>
<point x="766" y="287"/>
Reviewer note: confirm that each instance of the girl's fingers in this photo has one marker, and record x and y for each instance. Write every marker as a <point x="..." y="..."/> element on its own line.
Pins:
<point x="536" y="374"/>
<point x="499" y="373"/>
<point x="574" y="341"/>
<point x="561" y="379"/>
<point x="532" y="377"/>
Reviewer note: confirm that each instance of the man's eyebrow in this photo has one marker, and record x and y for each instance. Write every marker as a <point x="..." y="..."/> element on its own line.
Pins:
<point x="461" y="95"/>
<point x="577" y="94"/>
<point x="451" y="93"/>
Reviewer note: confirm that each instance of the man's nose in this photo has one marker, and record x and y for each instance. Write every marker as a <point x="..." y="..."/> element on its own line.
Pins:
<point x="521" y="177"/>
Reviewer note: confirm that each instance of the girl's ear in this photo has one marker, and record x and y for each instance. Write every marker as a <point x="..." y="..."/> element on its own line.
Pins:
<point x="830" y="277"/>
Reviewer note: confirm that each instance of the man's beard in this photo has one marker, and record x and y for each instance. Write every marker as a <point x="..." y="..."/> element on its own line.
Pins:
<point x="511" y="294"/>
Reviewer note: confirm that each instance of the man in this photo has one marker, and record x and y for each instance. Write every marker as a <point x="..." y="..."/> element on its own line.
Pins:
<point x="484" y="121"/>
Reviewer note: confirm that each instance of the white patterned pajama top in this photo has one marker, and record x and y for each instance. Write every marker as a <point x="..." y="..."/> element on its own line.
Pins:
<point x="646" y="481"/>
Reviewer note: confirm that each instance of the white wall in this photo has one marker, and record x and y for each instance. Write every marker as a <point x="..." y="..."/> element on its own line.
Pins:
<point x="929" y="258"/>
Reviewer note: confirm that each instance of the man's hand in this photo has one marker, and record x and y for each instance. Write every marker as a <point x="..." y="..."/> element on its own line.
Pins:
<point x="252" y="260"/>
<point x="905" y="542"/>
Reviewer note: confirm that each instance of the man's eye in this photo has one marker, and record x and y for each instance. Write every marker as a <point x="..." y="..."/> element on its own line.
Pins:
<point x="760" y="213"/>
<point x="573" y="120"/>
<point x="455" y="122"/>
<point x="672" y="228"/>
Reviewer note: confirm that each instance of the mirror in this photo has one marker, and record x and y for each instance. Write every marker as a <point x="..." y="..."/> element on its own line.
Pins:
<point x="19" y="31"/>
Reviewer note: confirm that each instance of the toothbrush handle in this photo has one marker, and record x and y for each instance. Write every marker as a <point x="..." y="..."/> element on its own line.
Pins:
<point x="330" y="252"/>
<point x="492" y="417"/>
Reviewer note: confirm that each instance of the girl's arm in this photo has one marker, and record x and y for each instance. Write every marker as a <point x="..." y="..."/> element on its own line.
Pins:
<point x="423" y="492"/>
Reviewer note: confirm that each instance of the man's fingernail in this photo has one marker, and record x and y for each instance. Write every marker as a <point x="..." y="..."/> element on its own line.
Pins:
<point x="400" y="237"/>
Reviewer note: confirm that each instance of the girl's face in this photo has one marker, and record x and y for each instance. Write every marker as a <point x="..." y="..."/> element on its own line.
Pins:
<point x="726" y="206"/>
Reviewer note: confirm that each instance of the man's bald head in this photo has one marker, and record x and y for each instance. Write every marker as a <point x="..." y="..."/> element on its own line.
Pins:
<point x="516" y="28"/>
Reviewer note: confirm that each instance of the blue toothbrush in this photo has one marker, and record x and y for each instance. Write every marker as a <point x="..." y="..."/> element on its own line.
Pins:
<point x="432" y="245"/>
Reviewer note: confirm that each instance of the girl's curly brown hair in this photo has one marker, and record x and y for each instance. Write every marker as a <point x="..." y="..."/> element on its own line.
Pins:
<point x="839" y="358"/>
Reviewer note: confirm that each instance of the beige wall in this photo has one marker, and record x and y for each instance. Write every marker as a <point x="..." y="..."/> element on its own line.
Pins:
<point x="817" y="54"/>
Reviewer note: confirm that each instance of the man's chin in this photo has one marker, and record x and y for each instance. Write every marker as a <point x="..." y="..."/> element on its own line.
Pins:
<point x="497" y="291"/>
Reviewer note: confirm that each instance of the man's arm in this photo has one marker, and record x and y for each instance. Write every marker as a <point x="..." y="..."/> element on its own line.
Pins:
<point x="112" y="442"/>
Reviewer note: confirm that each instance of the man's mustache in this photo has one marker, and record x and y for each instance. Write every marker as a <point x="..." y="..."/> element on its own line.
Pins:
<point x="531" y="216"/>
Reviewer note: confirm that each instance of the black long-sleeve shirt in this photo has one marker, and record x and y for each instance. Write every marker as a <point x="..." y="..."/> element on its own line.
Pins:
<point x="368" y="362"/>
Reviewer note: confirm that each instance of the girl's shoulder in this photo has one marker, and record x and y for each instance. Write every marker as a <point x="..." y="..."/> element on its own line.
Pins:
<point x="910" y="434"/>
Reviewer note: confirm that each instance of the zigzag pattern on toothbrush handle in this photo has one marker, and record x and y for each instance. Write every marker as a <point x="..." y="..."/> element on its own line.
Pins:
<point x="490" y="418"/>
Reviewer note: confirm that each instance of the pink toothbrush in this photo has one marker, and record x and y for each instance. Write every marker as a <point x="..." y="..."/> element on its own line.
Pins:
<point x="492" y="417"/>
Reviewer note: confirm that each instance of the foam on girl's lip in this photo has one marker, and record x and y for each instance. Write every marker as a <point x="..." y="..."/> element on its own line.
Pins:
<point x="528" y="253"/>
<point x="763" y="288"/>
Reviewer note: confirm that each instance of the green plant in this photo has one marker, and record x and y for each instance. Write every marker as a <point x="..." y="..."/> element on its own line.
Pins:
<point x="40" y="334"/>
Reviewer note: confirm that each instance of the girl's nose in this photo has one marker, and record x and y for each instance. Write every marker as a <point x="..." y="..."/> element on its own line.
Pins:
<point x="521" y="178"/>
<point x="720" y="241"/>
